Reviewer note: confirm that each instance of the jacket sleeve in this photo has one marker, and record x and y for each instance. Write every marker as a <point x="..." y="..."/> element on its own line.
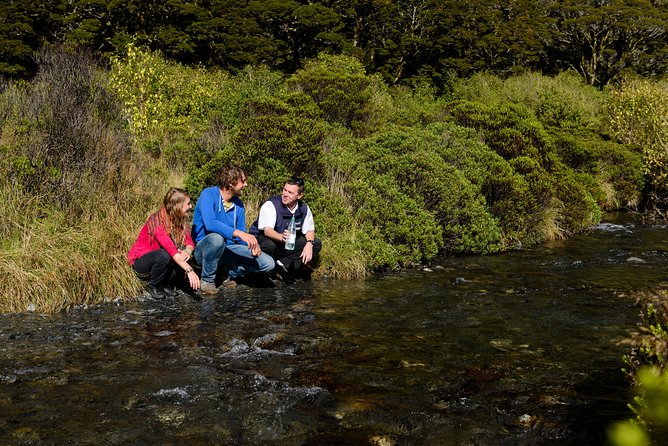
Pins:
<point x="165" y="241"/>
<point x="209" y="217"/>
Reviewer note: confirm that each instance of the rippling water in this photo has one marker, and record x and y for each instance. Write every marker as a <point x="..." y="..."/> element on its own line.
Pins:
<point x="512" y="349"/>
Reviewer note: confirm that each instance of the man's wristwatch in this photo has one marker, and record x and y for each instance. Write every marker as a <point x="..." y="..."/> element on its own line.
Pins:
<point x="309" y="241"/>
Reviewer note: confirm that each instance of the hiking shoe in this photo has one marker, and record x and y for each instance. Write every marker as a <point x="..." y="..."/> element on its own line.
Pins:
<point x="282" y="274"/>
<point x="229" y="283"/>
<point x="170" y="292"/>
<point x="155" y="293"/>
<point x="208" y="288"/>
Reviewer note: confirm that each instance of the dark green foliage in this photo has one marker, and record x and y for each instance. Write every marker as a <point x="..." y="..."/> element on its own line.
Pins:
<point x="404" y="42"/>
<point x="602" y="39"/>
<point x="508" y="128"/>
<point x="18" y="38"/>
<point x="415" y="203"/>
<point x="339" y="87"/>
<point x="616" y="167"/>
<point x="283" y="128"/>
<point x="207" y="175"/>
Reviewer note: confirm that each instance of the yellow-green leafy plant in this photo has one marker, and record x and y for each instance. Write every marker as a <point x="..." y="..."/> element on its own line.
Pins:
<point x="638" y="115"/>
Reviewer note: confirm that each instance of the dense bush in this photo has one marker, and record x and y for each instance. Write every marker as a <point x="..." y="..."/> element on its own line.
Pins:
<point x="174" y="110"/>
<point x="638" y="116"/>
<point x="339" y="86"/>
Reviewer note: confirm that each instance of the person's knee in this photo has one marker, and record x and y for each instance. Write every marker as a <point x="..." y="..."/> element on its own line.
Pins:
<point x="212" y="243"/>
<point x="162" y="257"/>
<point x="317" y="246"/>
<point x="266" y="263"/>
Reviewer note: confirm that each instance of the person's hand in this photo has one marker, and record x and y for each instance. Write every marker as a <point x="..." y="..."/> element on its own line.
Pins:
<point x="193" y="278"/>
<point x="252" y="243"/>
<point x="285" y="235"/>
<point x="180" y="257"/>
<point x="185" y="254"/>
<point x="307" y="252"/>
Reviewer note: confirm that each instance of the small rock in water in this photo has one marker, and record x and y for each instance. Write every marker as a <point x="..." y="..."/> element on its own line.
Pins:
<point x="527" y="420"/>
<point x="428" y="270"/>
<point x="163" y="333"/>
<point x="459" y="281"/>
<point x="382" y="440"/>
<point x="635" y="260"/>
<point x="407" y="364"/>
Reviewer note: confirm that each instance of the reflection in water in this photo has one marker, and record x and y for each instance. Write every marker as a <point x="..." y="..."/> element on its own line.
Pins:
<point x="510" y="349"/>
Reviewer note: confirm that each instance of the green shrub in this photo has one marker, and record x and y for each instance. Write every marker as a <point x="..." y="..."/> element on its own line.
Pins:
<point x="614" y="173"/>
<point x="283" y="128"/>
<point x="638" y="116"/>
<point x="410" y="200"/>
<point x="339" y="86"/>
<point x="563" y="101"/>
<point x="506" y="193"/>
<point x="173" y="108"/>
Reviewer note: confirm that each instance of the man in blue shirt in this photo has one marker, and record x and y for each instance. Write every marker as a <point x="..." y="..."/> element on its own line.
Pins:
<point x="219" y="232"/>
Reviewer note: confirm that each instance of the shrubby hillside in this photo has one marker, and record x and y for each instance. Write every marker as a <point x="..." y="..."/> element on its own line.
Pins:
<point x="395" y="175"/>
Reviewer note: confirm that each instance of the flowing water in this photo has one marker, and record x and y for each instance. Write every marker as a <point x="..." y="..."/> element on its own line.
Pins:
<point x="512" y="349"/>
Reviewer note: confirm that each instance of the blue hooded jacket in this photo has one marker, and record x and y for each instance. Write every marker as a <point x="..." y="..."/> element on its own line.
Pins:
<point x="210" y="216"/>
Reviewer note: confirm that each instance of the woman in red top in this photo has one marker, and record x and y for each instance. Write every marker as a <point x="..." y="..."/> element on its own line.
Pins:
<point x="164" y="245"/>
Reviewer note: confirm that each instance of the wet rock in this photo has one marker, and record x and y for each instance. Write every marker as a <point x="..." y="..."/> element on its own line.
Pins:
<point x="345" y="408"/>
<point x="527" y="420"/>
<point x="382" y="440"/>
<point x="176" y="392"/>
<point x="635" y="260"/>
<point x="236" y="347"/>
<point x="268" y="341"/>
<point x="171" y="416"/>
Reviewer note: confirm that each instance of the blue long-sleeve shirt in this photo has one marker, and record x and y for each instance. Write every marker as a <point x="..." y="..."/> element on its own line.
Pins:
<point x="210" y="216"/>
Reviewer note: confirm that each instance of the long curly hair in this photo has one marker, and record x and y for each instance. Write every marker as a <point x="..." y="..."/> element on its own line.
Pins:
<point x="171" y="217"/>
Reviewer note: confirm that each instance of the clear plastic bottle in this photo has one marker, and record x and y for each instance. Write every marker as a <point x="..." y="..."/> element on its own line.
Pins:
<point x="292" y="235"/>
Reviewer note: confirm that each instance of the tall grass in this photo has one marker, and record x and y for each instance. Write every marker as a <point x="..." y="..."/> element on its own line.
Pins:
<point x="73" y="192"/>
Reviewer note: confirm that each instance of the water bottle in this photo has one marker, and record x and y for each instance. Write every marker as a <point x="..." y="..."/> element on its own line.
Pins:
<point x="292" y="235"/>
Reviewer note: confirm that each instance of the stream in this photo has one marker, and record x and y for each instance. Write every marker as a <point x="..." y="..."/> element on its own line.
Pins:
<point x="519" y="348"/>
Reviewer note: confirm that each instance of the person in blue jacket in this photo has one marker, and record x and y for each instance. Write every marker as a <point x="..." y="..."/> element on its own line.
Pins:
<point x="219" y="232"/>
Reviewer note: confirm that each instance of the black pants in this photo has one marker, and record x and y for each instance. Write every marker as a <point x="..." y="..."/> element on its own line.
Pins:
<point x="290" y="259"/>
<point x="157" y="267"/>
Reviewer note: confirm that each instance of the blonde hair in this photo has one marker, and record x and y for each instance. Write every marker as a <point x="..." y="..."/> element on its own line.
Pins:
<point x="170" y="217"/>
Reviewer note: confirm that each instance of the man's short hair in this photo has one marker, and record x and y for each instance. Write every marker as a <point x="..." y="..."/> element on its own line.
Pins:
<point x="296" y="181"/>
<point x="230" y="176"/>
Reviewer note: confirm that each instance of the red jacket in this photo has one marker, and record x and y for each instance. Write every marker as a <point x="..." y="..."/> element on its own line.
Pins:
<point x="145" y="243"/>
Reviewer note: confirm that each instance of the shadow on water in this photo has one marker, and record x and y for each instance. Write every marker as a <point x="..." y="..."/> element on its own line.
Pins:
<point x="513" y="349"/>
